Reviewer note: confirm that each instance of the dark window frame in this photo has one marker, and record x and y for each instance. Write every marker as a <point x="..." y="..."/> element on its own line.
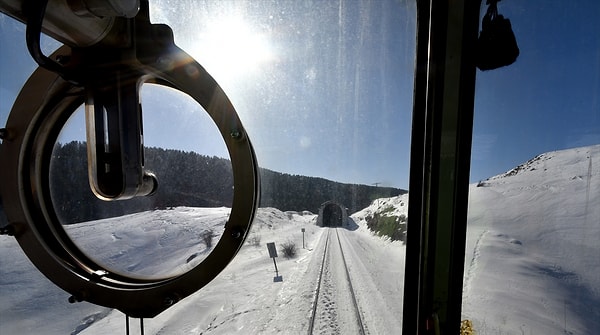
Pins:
<point x="440" y="165"/>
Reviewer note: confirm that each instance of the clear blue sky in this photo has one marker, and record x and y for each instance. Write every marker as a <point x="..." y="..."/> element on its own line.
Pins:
<point x="550" y="98"/>
<point x="325" y="88"/>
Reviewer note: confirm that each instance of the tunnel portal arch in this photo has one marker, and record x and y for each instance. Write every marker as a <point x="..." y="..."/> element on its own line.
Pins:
<point x="332" y="214"/>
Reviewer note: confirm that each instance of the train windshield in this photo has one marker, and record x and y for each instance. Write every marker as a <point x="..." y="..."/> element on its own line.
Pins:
<point x="324" y="91"/>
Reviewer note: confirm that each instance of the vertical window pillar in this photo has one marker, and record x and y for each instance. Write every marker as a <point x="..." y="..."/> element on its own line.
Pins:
<point x="440" y="163"/>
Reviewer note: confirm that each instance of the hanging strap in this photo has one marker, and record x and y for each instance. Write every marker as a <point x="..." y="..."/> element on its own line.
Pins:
<point x="490" y="16"/>
<point x="492" y="11"/>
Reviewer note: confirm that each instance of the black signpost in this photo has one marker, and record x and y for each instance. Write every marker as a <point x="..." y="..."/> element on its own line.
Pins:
<point x="273" y="253"/>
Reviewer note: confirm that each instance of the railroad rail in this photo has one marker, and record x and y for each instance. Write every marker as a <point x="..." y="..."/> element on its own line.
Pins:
<point x="335" y="308"/>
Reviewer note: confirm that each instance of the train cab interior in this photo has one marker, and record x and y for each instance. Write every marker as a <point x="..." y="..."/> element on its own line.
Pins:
<point x="149" y="149"/>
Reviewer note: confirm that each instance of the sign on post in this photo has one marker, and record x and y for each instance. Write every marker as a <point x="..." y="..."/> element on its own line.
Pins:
<point x="272" y="249"/>
<point x="273" y="254"/>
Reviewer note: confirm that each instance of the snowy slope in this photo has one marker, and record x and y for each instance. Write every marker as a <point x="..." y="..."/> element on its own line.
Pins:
<point x="533" y="257"/>
<point x="138" y="243"/>
<point x="532" y="264"/>
<point x="394" y="206"/>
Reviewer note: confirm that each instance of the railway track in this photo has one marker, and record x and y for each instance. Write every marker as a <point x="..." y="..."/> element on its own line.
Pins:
<point x="335" y="308"/>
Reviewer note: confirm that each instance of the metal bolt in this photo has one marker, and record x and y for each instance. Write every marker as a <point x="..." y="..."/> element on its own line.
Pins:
<point x="171" y="300"/>
<point x="236" y="134"/>
<point x="237" y="233"/>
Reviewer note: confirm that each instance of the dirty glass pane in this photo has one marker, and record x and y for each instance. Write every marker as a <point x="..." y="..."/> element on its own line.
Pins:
<point x="324" y="90"/>
<point x="533" y="259"/>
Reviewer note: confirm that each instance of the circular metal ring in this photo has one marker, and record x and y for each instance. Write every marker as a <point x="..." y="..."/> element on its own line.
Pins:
<point x="39" y="113"/>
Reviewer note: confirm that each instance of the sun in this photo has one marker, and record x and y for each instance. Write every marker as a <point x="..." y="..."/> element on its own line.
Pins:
<point x="231" y="47"/>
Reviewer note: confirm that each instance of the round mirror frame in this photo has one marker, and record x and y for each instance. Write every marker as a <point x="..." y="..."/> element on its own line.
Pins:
<point x="40" y="111"/>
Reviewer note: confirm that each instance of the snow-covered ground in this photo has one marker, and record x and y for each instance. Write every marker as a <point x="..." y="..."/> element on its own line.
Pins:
<point x="244" y="298"/>
<point x="533" y="257"/>
<point x="531" y="267"/>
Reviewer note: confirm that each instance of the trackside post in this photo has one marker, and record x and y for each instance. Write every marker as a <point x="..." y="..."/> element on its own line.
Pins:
<point x="273" y="254"/>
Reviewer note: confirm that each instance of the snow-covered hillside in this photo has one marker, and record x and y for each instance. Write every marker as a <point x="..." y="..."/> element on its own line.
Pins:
<point x="160" y="240"/>
<point x="533" y="257"/>
<point x="532" y="263"/>
<point x="394" y="206"/>
<point x="244" y="298"/>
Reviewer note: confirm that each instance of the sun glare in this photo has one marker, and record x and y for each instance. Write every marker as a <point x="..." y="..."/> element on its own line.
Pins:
<point x="230" y="47"/>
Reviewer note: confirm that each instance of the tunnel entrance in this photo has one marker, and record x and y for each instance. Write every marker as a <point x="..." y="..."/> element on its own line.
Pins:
<point x="332" y="214"/>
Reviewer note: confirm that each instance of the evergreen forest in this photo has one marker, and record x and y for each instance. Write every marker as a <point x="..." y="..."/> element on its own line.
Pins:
<point x="194" y="180"/>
